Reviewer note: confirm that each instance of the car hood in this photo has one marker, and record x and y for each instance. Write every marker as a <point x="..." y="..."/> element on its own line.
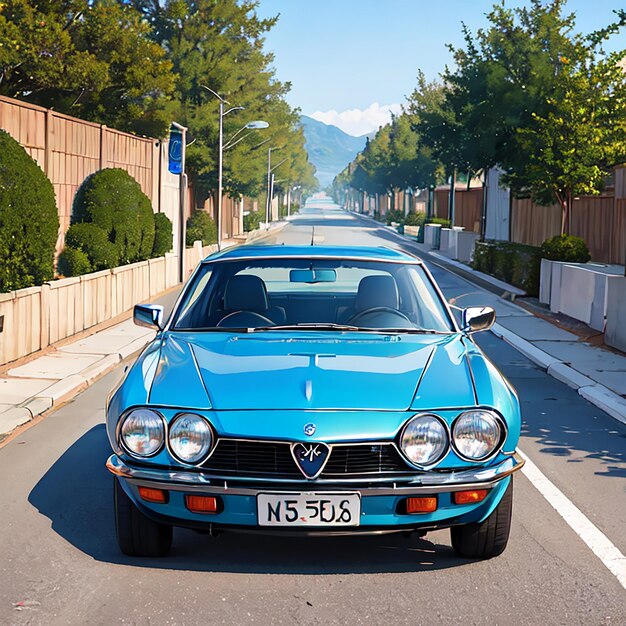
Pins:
<point x="312" y="371"/>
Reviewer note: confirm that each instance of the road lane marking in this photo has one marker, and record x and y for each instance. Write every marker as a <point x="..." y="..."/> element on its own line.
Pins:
<point x="595" y="539"/>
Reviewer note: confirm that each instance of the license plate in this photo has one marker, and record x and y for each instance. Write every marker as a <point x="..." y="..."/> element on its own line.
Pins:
<point x="309" y="509"/>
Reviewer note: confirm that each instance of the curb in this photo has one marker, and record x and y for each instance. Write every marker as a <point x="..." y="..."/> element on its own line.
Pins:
<point x="63" y="390"/>
<point x="610" y="402"/>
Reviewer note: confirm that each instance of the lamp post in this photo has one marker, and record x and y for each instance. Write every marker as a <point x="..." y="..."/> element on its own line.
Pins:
<point x="258" y="124"/>
<point x="269" y="183"/>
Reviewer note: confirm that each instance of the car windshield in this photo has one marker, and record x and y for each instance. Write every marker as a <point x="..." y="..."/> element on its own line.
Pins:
<point x="311" y="294"/>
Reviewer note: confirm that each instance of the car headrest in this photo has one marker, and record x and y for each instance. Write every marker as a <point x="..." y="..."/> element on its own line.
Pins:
<point x="245" y="293"/>
<point x="375" y="291"/>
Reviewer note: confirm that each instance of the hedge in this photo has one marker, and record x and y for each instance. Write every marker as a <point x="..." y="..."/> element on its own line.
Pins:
<point x="73" y="262"/>
<point x="163" y="229"/>
<point x="101" y="253"/>
<point x="252" y="221"/>
<point x="113" y="200"/>
<point x="201" y="227"/>
<point x="29" y="220"/>
<point x="514" y="263"/>
<point x="565" y="248"/>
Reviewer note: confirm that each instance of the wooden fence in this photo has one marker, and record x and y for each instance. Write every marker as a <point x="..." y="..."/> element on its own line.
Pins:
<point x="37" y="317"/>
<point x="467" y="207"/>
<point x="69" y="149"/>
<point x="599" y="220"/>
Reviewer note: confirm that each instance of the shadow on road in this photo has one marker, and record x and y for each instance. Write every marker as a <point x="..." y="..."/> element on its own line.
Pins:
<point x="76" y="495"/>
<point x="557" y="417"/>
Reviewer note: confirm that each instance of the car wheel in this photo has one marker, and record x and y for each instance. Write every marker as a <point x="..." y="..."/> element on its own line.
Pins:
<point x="138" y="535"/>
<point x="488" y="538"/>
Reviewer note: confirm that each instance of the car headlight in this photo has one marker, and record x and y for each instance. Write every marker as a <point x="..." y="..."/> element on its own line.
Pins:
<point x="476" y="434"/>
<point x="142" y="432"/>
<point x="424" y="440"/>
<point x="190" y="438"/>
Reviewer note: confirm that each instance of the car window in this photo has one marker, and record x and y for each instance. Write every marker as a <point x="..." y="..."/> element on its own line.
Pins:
<point x="273" y="293"/>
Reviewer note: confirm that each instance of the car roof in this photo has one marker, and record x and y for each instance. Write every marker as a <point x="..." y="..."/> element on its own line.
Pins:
<point x="367" y="253"/>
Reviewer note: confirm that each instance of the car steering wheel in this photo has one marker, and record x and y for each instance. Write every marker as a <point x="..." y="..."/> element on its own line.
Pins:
<point x="377" y="311"/>
<point x="247" y="319"/>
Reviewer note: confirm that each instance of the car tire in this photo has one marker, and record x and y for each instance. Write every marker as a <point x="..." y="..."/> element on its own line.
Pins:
<point x="488" y="538"/>
<point x="137" y="535"/>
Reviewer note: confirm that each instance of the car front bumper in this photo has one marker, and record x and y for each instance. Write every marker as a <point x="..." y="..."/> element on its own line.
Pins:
<point x="380" y="498"/>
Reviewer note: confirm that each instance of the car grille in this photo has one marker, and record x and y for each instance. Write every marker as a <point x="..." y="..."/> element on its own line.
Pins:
<point x="236" y="457"/>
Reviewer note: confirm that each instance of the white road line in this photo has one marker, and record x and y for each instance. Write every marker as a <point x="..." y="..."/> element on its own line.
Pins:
<point x="597" y="541"/>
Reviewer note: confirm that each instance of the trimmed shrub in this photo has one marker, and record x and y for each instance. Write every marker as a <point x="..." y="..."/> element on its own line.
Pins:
<point x="565" y="248"/>
<point x="201" y="227"/>
<point x="252" y="221"/>
<point x="514" y="263"/>
<point x="29" y="220"/>
<point x="395" y="215"/>
<point x="92" y="241"/>
<point x="112" y="199"/>
<point x="415" y="218"/>
<point x="73" y="262"/>
<point x="445" y="223"/>
<point x="162" y="235"/>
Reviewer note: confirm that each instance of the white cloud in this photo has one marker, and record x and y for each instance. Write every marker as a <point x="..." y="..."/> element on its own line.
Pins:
<point x="359" y="122"/>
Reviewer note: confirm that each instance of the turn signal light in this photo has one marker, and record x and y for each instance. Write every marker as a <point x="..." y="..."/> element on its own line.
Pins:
<point x="201" y="504"/>
<point x="470" y="497"/>
<point x="421" y="505"/>
<point x="159" y="496"/>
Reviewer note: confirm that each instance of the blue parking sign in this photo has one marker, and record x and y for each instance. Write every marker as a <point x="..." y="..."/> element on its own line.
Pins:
<point x="175" y="151"/>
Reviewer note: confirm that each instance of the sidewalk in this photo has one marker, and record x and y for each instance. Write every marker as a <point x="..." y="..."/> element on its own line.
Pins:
<point x="39" y="384"/>
<point x="598" y="374"/>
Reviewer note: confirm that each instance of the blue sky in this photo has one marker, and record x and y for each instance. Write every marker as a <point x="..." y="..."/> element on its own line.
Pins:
<point x="351" y="61"/>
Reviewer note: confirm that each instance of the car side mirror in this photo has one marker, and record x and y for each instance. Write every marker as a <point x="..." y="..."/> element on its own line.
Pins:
<point x="148" y="315"/>
<point x="477" y="318"/>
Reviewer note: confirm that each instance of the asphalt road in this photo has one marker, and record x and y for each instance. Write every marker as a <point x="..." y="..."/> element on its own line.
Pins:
<point x="59" y="563"/>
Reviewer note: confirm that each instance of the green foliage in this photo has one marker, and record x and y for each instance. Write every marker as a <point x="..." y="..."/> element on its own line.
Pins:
<point x="445" y="223"/>
<point x="113" y="200"/>
<point x="93" y="242"/>
<point x="29" y="221"/>
<point x="73" y="262"/>
<point x="415" y="218"/>
<point x="201" y="227"/>
<point x="94" y="60"/>
<point x="395" y="215"/>
<point x="534" y="96"/>
<point x="565" y="248"/>
<point x="514" y="263"/>
<point x="252" y="221"/>
<point x="162" y="235"/>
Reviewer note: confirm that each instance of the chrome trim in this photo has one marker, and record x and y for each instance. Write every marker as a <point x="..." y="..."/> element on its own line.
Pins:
<point x="329" y="451"/>
<point x="429" y="482"/>
<point x="504" y="433"/>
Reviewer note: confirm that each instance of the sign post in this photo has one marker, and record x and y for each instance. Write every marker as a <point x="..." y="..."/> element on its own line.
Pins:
<point x="176" y="165"/>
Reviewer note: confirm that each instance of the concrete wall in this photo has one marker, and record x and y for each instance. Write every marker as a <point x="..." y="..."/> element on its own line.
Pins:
<point x="37" y="317"/>
<point x="498" y="207"/>
<point x="581" y="291"/>
<point x="615" y="334"/>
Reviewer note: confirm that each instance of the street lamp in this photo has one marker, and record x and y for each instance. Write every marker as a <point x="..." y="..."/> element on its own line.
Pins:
<point x="251" y="126"/>
<point x="269" y="182"/>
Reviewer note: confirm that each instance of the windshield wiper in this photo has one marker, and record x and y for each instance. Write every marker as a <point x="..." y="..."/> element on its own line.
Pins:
<point x="411" y="331"/>
<point x="311" y="326"/>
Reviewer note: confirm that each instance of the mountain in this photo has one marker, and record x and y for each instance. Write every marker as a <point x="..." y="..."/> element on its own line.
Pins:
<point x="329" y="148"/>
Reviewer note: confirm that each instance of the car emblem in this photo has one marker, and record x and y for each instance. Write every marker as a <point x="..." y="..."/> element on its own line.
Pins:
<point x="309" y="429"/>
<point x="310" y="457"/>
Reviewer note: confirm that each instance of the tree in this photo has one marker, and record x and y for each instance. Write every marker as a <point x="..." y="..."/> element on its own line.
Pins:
<point x="91" y="60"/>
<point x="543" y="102"/>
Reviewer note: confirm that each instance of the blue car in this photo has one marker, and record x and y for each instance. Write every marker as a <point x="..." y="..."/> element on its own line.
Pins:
<point x="313" y="390"/>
